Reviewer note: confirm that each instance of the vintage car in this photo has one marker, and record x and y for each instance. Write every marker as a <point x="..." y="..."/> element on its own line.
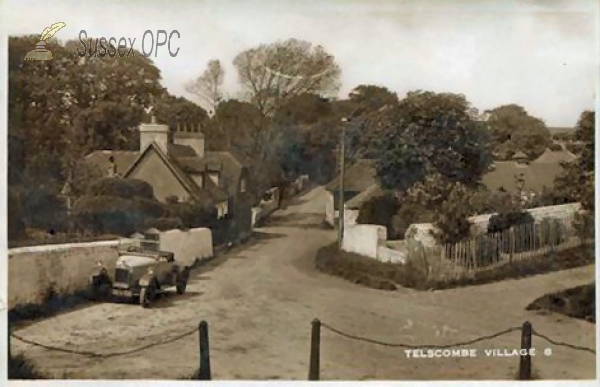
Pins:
<point x="141" y="275"/>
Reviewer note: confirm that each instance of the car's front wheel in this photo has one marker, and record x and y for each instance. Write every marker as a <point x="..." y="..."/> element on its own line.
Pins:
<point x="147" y="296"/>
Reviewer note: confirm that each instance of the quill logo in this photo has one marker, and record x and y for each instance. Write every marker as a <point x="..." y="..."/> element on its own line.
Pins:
<point x="40" y="52"/>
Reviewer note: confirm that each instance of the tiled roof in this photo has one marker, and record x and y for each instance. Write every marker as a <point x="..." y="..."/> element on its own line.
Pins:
<point x="229" y="167"/>
<point x="184" y="162"/>
<point x="535" y="175"/>
<point x="122" y="159"/>
<point x="357" y="178"/>
<point x="357" y="201"/>
<point x="555" y="157"/>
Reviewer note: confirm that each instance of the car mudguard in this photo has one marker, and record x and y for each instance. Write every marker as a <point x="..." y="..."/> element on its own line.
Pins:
<point x="146" y="280"/>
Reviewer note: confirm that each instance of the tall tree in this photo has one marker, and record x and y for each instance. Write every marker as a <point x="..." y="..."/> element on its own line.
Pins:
<point x="208" y="86"/>
<point x="513" y="129"/>
<point x="431" y="133"/>
<point x="576" y="182"/>
<point x="271" y="74"/>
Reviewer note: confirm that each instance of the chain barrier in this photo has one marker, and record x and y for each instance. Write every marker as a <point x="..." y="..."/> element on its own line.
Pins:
<point x="104" y="355"/>
<point x="560" y="344"/>
<point x="410" y="346"/>
<point x="459" y="344"/>
<point x="324" y="325"/>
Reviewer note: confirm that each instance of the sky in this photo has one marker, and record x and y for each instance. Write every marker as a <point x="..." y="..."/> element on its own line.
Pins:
<point x="542" y="55"/>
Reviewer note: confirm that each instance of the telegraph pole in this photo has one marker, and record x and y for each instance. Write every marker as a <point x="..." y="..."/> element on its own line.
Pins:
<point x="341" y="193"/>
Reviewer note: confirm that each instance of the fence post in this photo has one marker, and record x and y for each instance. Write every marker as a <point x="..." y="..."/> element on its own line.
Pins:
<point x="315" y="349"/>
<point x="204" y="371"/>
<point x="525" y="360"/>
<point x="511" y="244"/>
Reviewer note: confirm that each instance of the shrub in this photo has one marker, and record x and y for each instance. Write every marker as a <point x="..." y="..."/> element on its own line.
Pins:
<point x="20" y="368"/>
<point x="120" y="187"/>
<point x="379" y="210"/>
<point x="163" y="224"/>
<point x="115" y="215"/>
<point x="452" y="218"/>
<point x="192" y="215"/>
<point x="504" y="221"/>
<point x="42" y="207"/>
<point x="409" y="213"/>
<point x="555" y="147"/>
<point x="584" y="224"/>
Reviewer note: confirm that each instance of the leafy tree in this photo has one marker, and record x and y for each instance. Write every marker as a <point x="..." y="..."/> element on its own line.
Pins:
<point x="69" y="106"/>
<point x="513" y="129"/>
<point x="271" y="74"/>
<point x="379" y="210"/>
<point x="425" y="124"/>
<point x="175" y="111"/>
<point x="576" y="180"/>
<point x="369" y="99"/>
<point x="208" y="85"/>
<point x="452" y="217"/>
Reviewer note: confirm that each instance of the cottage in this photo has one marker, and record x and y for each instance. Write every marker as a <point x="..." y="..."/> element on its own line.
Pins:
<point x="359" y="177"/>
<point x="527" y="177"/>
<point x="182" y="170"/>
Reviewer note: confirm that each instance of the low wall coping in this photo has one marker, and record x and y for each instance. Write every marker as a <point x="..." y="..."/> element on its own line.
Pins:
<point x="65" y="246"/>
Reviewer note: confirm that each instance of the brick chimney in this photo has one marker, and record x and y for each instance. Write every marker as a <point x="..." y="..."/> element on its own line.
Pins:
<point x="190" y="135"/>
<point x="154" y="133"/>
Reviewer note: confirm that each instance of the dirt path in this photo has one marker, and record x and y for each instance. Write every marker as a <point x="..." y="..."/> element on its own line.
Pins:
<point x="259" y="304"/>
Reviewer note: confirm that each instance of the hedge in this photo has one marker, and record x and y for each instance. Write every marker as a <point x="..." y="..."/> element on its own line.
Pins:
<point x="115" y="215"/>
<point x="120" y="187"/>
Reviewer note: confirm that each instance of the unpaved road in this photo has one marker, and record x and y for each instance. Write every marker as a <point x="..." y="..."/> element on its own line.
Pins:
<point x="259" y="304"/>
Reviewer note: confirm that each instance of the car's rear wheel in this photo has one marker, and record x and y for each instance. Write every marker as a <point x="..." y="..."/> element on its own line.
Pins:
<point x="182" y="280"/>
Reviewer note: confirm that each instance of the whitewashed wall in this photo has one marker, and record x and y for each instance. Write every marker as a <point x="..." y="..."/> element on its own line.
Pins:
<point x="66" y="268"/>
<point x="188" y="245"/>
<point x="363" y="239"/>
<point x="422" y="232"/>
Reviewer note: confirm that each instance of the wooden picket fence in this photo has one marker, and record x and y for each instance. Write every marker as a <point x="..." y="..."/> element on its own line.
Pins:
<point x="491" y="250"/>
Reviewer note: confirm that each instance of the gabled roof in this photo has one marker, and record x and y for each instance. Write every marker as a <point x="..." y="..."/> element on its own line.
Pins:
<point x="122" y="159"/>
<point x="555" y="157"/>
<point x="205" y="196"/>
<point x="357" y="178"/>
<point x="357" y="201"/>
<point x="535" y="176"/>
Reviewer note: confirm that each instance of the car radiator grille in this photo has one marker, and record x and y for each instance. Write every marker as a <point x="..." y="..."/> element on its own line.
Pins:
<point x="122" y="276"/>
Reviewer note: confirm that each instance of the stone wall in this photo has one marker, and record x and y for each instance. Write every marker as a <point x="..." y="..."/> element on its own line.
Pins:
<point x="64" y="268"/>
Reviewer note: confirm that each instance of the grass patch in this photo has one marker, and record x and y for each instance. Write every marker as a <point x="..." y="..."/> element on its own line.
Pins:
<point x="578" y="302"/>
<point x="420" y="274"/>
<point x="21" y="368"/>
